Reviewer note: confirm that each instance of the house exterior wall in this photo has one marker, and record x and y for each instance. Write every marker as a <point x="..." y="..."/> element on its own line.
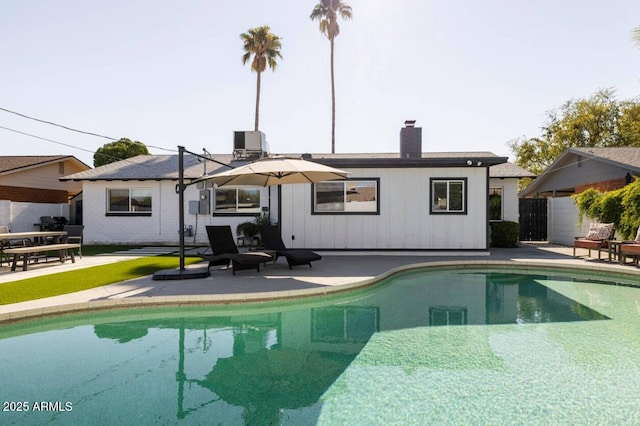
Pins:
<point x="603" y="186"/>
<point x="510" y="201"/>
<point x="404" y="221"/>
<point x="44" y="177"/>
<point x="161" y="228"/>
<point x="36" y="195"/>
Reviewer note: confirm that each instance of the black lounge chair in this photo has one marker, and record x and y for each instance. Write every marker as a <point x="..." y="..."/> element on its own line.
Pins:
<point x="272" y="240"/>
<point x="225" y="251"/>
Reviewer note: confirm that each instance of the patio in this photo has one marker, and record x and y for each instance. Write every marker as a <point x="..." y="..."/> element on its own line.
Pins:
<point x="336" y="269"/>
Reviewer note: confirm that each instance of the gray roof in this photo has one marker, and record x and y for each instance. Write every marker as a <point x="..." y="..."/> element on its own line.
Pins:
<point x="625" y="158"/>
<point x="621" y="156"/>
<point x="151" y="167"/>
<point x="16" y="163"/>
<point x="509" y="170"/>
<point x="165" y="167"/>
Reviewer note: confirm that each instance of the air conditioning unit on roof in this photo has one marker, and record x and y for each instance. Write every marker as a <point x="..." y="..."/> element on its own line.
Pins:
<point x="250" y="144"/>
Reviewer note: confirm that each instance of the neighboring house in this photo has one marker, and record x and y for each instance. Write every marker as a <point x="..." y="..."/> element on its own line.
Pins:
<point x="407" y="200"/>
<point x="30" y="188"/>
<point x="574" y="171"/>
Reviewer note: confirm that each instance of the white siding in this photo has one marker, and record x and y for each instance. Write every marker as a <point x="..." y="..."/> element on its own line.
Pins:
<point x="162" y="227"/>
<point x="510" y="201"/>
<point x="404" y="221"/>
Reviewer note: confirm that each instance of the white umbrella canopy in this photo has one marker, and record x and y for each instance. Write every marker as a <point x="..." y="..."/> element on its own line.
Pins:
<point x="276" y="171"/>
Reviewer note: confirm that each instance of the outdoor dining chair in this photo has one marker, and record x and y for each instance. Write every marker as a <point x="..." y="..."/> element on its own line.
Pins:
<point x="74" y="235"/>
<point x="10" y="243"/>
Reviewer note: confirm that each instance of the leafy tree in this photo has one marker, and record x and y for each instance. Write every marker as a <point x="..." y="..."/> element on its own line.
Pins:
<point x="599" y="121"/>
<point x="636" y="35"/>
<point x="118" y="150"/>
<point x="264" y="46"/>
<point x="327" y="12"/>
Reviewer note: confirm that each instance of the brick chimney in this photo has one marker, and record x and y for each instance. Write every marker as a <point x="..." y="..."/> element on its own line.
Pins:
<point x="410" y="140"/>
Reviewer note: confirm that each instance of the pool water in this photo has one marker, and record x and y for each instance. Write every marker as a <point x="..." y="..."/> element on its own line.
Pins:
<point x="478" y="347"/>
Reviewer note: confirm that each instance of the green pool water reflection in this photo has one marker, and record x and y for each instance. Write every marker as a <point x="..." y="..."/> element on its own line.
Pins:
<point x="421" y="348"/>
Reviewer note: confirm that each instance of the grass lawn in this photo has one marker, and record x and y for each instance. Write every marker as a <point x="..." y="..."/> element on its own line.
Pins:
<point x="55" y="284"/>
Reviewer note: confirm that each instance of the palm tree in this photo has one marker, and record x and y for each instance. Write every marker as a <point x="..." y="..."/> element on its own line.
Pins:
<point x="327" y="12"/>
<point x="264" y="46"/>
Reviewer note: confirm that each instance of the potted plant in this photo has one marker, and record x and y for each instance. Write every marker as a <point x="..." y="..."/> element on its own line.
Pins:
<point x="247" y="231"/>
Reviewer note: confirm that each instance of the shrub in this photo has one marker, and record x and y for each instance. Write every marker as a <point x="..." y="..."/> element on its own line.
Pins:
<point x="621" y="207"/>
<point x="588" y="203"/>
<point x="505" y="234"/>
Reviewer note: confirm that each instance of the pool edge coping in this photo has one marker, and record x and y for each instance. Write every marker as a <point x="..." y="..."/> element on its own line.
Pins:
<point x="240" y="298"/>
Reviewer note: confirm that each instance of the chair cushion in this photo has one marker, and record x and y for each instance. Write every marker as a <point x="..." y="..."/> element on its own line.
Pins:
<point x="599" y="231"/>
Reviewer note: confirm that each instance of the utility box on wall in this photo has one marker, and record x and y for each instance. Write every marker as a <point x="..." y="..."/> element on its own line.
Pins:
<point x="205" y="201"/>
<point x="202" y="205"/>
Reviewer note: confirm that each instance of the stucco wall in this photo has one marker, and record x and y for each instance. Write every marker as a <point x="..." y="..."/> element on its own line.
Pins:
<point x="404" y="221"/>
<point x="44" y="177"/>
<point x="21" y="217"/>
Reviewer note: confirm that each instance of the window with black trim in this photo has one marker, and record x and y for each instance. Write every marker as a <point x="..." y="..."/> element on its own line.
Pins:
<point x="237" y="200"/>
<point x="448" y="196"/>
<point x="129" y="201"/>
<point x="495" y="203"/>
<point x="352" y="196"/>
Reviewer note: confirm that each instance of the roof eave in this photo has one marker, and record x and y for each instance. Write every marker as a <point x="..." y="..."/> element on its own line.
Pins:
<point x="410" y="162"/>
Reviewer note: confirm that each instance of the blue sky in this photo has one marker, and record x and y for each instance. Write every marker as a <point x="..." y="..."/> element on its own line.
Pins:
<point x="474" y="74"/>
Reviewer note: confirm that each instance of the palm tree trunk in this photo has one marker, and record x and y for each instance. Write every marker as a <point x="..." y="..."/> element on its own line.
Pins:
<point x="257" y="101"/>
<point x="333" y="105"/>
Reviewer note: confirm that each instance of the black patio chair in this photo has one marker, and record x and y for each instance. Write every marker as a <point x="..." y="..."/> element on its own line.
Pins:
<point x="74" y="235"/>
<point x="225" y="252"/>
<point x="272" y="240"/>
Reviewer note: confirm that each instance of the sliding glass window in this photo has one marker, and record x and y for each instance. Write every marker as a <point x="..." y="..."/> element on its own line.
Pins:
<point x="357" y="196"/>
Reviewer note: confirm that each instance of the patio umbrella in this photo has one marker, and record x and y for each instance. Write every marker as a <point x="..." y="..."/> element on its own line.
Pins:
<point x="276" y="171"/>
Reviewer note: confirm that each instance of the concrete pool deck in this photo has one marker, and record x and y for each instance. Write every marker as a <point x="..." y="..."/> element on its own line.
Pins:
<point x="336" y="271"/>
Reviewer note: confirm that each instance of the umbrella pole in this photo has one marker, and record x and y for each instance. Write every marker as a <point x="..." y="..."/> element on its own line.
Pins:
<point x="181" y="202"/>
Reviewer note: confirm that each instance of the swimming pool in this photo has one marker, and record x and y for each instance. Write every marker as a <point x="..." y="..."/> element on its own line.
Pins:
<point x="486" y="346"/>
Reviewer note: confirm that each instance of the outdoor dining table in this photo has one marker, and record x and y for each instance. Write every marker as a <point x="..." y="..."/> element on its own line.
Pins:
<point x="38" y="238"/>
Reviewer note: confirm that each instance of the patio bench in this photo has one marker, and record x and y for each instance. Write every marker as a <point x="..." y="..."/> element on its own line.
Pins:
<point x="597" y="239"/>
<point x="632" y="250"/>
<point x="25" y="253"/>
